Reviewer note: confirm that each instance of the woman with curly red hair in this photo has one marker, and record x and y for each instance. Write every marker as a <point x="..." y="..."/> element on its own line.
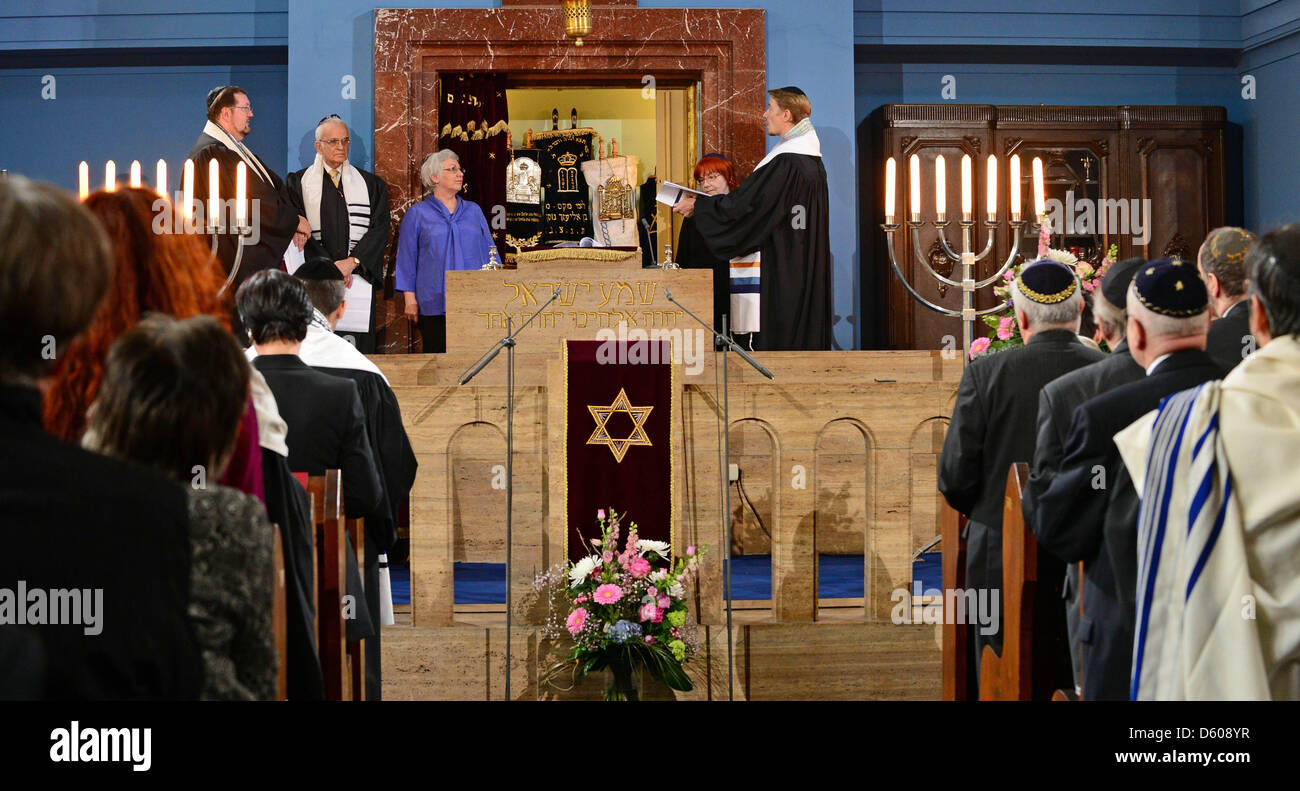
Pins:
<point x="714" y="175"/>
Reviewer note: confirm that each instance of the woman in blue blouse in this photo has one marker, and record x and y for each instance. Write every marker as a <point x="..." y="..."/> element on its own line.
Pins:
<point x="440" y="233"/>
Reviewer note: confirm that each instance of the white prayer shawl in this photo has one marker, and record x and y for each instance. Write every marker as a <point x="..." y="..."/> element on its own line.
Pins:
<point x="745" y="270"/>
<point x="223" y="137"/>
<point x="355" y="194"/>
<point x="1219" y="536"/>
<point x="323" y="349"/>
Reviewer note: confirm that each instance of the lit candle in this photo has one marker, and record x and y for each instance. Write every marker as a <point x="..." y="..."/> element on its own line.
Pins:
<point x="83" y="179"/>
<point x="940" y="189"/>
<point x="110" y="176"/>
<point x="914" y="170"/>
<point x="1039" y="209"/>
<point x="160" y="180"/>
<point x="992" y="184"/>
<point x="241" y="211"/>
<point x="187" y="190"/>
<point x="1015" y="188"/>
<point x="135" y="173"/>
<point x="214" y="194"/>
<point x="966" y="187"/>
<point x="890" y="176"/>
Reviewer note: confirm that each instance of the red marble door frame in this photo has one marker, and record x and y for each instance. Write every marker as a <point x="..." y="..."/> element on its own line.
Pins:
<point x="722" y="48"/>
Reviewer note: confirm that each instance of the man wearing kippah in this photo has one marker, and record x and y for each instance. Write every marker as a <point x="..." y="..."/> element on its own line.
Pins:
<point x="1056" y="406"/>
<point x="1089" y="510"/>
<point x="992" y="428"/>
<point x="1222" y="264"/>
<point x="1219" y="534"/>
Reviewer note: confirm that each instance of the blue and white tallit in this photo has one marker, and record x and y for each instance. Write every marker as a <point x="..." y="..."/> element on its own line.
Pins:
<point x="1218" y="610"/>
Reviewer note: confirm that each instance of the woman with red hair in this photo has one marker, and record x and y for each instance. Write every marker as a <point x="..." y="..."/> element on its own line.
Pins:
<point x="714" y="175"/>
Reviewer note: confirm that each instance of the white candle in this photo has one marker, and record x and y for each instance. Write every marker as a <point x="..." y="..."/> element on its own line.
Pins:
<point x="1039" y="208"/>
<point x="914" y="180"/>
<point x="160" y="180"/>
<point x="110" y="176"/>
<point x="992" y="184"/>
<point x="967" y="187"/>
<point x="135" y="173"/>
<point x="214" y="193"/>
<point x="940" y="189"/>
<point x="241" y="211"/>
<point x="83" y="179"/>
<point x="890" y="186"/>
<point x="187" y="190"/>
<point x="1015" y="188"/>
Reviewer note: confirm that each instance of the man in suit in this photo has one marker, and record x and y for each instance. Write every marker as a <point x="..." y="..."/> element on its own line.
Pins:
<point x="993" y="422"/>
<point x="271" y="212"/>
<point x="347" y="209"/>
<point x="1221" y="262"/>
<point x="114" y="533"/>
<point x="325" y="419"/>
<point x="1057" y="403"/>
<point x="1088" y="511"/>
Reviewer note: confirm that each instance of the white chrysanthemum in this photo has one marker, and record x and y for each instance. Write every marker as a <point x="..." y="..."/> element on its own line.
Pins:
<point x="658" y="576"/>
<point x="677" y="591"/>
<point x="1062" y="257"/>
<point x="646" y="545"/>
<point x="581" y="570"/>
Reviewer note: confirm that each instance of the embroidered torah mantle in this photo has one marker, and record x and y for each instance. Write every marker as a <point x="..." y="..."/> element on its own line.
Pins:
<point x="566" y="213"/>
<point x="619" y="403"/>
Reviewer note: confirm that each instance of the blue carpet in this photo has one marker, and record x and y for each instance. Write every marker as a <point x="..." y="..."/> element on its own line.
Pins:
<point x="839" y="577"/>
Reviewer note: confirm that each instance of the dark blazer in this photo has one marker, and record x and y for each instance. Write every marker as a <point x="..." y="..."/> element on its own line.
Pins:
<point x="370" y="248"/>
<point x="1228" y="340"/>
<point x="277" y="219"/>
<point x="1069" y="514"/>
<point x="70" y="519"/>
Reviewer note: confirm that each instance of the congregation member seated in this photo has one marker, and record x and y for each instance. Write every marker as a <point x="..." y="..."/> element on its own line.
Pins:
<point x="1088" y="511"/>
<point x="172" y="397"/>
<point x="1227" y="493"/>
<point x="1056" y="405"/>
<point x="993" y="426"/>
<point x="331" y="354"/>
<point x="1222" y="263"/>
<point x="114" y="534"/>
<point x="325" y="419"/>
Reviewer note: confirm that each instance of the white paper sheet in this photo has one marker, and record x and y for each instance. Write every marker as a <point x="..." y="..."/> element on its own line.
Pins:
<point x="669" y="193"/>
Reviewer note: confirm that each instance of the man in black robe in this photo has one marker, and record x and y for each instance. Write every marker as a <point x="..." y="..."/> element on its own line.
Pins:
<point x="992" y="428"/>
<point x="782" y="211"/>
<point x="271" y="213"/>
<point x="347" y="209"/>
<point x="1222" y="264"/>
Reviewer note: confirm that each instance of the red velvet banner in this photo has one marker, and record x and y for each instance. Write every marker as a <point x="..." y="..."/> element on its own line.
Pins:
<point x="618" y="438"/>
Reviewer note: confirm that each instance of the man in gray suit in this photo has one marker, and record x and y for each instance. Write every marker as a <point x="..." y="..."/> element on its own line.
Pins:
<point x="1056" y="405"/>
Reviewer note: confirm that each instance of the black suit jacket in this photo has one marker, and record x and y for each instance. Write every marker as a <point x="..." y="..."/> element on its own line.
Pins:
<point x="70" y="519"/>
<point x="276" y="216"/>
<point x="1230" y="340"/>
<point x="992" y="427"/>
<point x="1070" y="513"/>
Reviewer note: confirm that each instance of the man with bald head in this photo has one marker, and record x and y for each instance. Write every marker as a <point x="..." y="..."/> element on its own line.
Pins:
<point x="347" y="209"/>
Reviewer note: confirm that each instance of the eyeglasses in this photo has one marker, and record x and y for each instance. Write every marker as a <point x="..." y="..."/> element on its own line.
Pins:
<point x="248" y="108"/>
<point x="337" y="141"/>
<point x="451" y="169"/>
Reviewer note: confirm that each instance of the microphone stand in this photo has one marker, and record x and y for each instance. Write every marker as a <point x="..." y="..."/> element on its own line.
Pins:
<point x="729" y="345"/>
<point x="508" y="343"/>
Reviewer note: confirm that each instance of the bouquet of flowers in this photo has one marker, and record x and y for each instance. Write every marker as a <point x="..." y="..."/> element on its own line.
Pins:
<point x="625" y="608"/>
<point x="1006" y="334"/>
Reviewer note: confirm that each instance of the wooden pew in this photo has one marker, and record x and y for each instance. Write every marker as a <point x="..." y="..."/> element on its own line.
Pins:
<point x="1011" y="675"/>
<point x="356" y="652"/>
<point x="279" y="613"/>
<point x="958" y="669"/>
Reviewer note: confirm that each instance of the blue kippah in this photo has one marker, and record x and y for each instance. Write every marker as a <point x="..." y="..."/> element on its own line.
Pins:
<point x="1171" y="288"/>
<point x="1047" y="282"/>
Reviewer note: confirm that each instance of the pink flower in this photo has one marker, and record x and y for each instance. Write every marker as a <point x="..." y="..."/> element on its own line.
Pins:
<point x="581" y="599"/>
<point x="653" y="591"/>
<point x="577" y="619"/>
<point x="1008" y="275"/>
<point x="1089" y="286"/>
<point x="1005" y="321"/>
<point x="639" y="567"/>
<point x="608" y="594"/>
<point x="979" y="346"/>
<point x="665" y="602"/>
<point x="650" y="639"/>
<point x="690" y="550"/>
<point x="600" y="513"/>
<point x="1003" y="333"/>
<point x="607" y="556"/>
<point x="649" y="611"/>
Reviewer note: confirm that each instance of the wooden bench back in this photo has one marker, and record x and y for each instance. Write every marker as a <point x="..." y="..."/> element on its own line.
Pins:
<point x="1011" y="675"/>
<point x="958" y="669"/>
<point x="279" y="613"/>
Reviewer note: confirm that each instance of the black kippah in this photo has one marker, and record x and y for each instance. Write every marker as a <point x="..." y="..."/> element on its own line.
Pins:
<point x="1171" y="288"/>
<point x="1047" y="282"/>
<point x="318" y="269"/>
<point x="792" y="89"/>
<point x="719" y="156"/>
<point x="1114" y="284"/>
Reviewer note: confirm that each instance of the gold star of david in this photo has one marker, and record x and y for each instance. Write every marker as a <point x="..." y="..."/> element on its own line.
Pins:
<point x="602" y="414"/>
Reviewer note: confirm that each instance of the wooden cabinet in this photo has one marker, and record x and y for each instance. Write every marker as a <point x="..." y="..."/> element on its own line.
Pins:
<point x="1147" y="178"/>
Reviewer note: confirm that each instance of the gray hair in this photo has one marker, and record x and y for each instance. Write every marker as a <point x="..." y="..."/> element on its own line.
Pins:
<point x="1112" y="319"/>
<point x="1041" y="317"/>
<point x="1166" y="326"/>
<point x="432" y="166"/>
<point x="326" y="121"/>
